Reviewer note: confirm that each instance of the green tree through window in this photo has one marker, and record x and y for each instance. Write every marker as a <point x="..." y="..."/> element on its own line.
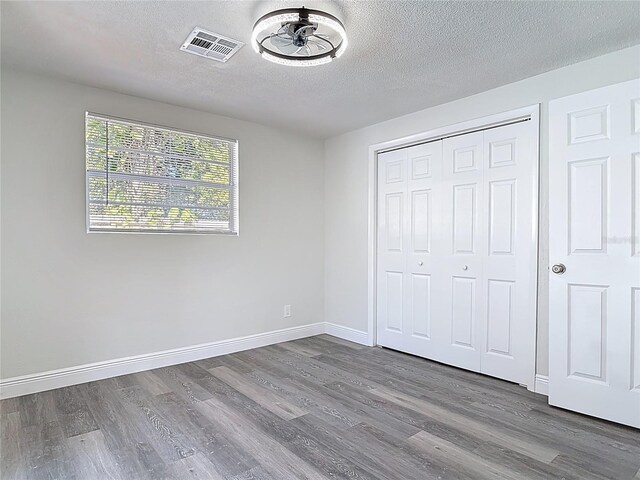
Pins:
<point x="152" y="179"/>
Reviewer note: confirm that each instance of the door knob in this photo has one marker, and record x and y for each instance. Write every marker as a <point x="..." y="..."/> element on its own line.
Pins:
<point x="559" y="268"/>
<point x="420" y="263"/>
<point x="465" y="267"/>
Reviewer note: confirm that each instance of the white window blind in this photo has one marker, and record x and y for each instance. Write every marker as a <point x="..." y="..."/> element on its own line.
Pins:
<point x="145" y="178"/>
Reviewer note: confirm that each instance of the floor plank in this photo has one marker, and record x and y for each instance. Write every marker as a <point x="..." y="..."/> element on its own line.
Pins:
<point x="473" y="465"/>
<point x="269" y="400"/>
<point x="314" y="408"/>
<point x="92" y="458"/>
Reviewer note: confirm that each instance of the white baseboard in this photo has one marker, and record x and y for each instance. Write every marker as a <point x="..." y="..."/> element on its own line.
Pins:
<point x="346" y="333"/>
<point x="542" y="384"/>
<point x="39" y="382"/>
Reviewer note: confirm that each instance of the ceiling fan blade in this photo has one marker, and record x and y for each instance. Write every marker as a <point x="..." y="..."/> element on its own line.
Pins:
<point x="322" y="39"/>
<point x="283" y="44"/>
<point x="303" y="51"/>
<point x="319" y="45"/>
<point x="277" y="40"/>
<point x="306" y="30"/>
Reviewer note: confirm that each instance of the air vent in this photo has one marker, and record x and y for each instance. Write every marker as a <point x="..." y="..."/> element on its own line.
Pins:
<point x="210" y="45"/>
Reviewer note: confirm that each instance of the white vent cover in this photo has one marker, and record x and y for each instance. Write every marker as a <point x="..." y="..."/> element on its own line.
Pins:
<point x="210" y="45"/>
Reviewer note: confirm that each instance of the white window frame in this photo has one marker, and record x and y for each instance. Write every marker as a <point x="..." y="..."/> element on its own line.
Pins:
<point x="233" y="185"/>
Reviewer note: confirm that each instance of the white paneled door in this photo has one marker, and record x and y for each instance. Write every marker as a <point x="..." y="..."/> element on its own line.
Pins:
<point x="456" y="251"/>
<point x="407" y="203"/>
<point x="594" y="331"/>
<point x="461" y="250"/>
<point x="508" y="316"/>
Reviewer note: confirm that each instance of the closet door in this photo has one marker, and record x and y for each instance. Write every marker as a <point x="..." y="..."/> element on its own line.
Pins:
<point x="457" y="251"/>
<point x="488" y="296"/>
<point x="422" y="267"/>
<point x="408" y="180"/>
<point x="507" y="319"/>
<point x="392" y="219"/>
<point x="460" y="297"/>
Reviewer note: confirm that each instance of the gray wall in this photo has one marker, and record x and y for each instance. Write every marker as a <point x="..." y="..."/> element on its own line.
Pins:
<point x="70" y="298"/>
<point x="346" y="177"/>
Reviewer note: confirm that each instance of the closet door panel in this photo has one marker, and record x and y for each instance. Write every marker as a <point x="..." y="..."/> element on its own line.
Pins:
<point x="407" y="253"/>
<point x="507" y="324"/>
<point x="461" y="236"/>
<point x="422" y="265"/>
<point x="391" y="239"/>
<point x="465" y="207"/>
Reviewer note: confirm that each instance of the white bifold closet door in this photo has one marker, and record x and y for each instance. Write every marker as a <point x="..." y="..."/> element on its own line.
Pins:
<point x="408" y="269"/>
<point x="455" y="251"/>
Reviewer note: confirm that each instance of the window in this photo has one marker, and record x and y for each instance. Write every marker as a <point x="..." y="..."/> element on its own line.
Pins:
<point x="144" y="178"/>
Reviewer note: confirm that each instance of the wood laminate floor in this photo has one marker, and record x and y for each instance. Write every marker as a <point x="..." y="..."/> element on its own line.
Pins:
<point x="314" y="408"/>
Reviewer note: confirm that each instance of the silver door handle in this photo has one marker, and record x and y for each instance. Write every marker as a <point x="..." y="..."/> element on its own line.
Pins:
<point x="420" y="263"/>
<point x="465" y="267"/>
<point x="559" y="268"/>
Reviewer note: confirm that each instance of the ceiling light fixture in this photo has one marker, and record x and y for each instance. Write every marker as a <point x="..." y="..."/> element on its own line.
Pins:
<point x="299" y="37"/>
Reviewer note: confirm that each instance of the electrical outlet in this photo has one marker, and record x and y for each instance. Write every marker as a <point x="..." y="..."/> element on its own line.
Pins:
<point x="287" y="311"/>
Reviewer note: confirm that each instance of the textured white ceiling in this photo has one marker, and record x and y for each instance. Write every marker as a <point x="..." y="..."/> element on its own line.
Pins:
<point x="403" y="56"/>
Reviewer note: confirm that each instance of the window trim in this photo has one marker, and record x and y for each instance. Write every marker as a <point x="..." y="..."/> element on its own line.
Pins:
<point x="234" y="188"/>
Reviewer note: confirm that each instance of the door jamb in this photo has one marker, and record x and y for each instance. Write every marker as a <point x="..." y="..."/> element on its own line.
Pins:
<point x="531" y="112"/>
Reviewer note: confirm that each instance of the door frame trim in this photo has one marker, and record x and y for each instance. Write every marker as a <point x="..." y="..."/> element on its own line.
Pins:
<point x="532" y="113"/>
